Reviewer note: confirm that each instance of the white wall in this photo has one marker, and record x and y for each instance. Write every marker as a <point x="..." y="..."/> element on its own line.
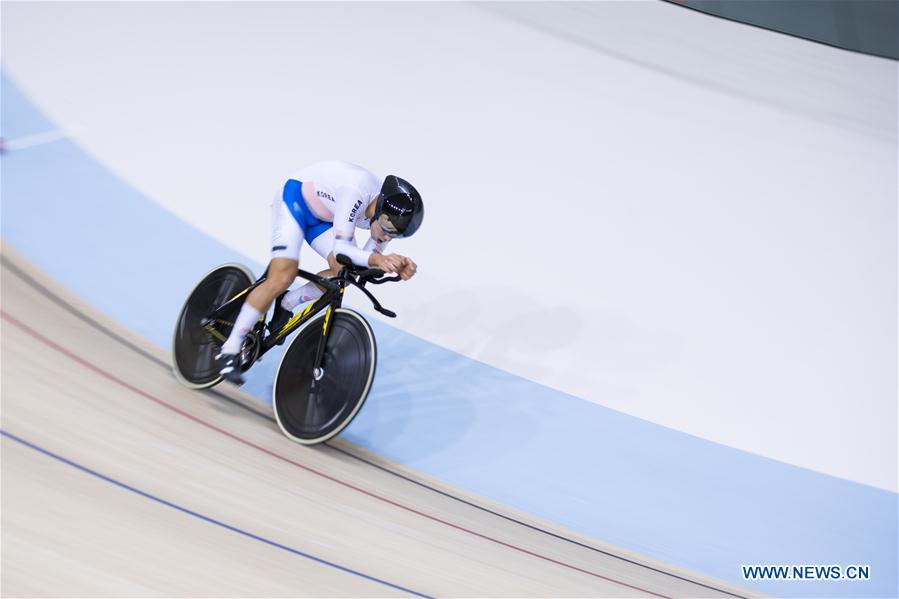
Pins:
<point x="685" y="219"/>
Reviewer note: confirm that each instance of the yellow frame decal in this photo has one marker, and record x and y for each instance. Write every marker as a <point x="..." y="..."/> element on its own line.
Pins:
<point x="327" y="318"/>
<point x="239" y="294"/>
<point x="296" y="317"/>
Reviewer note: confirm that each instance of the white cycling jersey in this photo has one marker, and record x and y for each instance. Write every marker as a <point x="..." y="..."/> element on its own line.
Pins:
<point x="340" y="192"/>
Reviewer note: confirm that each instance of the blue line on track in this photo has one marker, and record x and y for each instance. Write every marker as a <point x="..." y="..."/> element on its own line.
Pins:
<point x="206" y="518"/>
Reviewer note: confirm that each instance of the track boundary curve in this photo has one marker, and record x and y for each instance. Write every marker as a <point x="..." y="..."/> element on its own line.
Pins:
<point x="58" y="300"/>
<point x="162" y="403"/>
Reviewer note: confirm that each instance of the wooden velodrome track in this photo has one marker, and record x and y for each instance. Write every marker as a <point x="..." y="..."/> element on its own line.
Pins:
<point x="117" y="481"/>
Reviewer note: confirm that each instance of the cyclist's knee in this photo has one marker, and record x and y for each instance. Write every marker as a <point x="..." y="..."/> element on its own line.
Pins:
<point x="281" y="276"/>
<point x="280" y="281"/>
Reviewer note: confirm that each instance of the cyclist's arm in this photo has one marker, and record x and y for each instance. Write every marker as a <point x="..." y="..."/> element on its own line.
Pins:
<point x="391" y="263"/>
<point x="349" y="205"/>
<point x="402" y="265"/>
<point x="373" y="246"/>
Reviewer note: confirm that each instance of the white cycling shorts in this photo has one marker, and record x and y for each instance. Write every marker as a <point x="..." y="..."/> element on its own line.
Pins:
<point x="287" y="236"/>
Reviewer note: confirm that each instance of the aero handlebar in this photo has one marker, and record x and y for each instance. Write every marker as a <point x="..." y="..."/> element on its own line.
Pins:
<point x="375" y="276"/>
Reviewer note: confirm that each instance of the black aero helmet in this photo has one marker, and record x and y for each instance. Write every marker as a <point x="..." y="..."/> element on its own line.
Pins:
<point x="399" y="210"/>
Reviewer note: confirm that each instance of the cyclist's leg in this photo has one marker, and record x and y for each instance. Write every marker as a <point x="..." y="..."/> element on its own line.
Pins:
<point x="321" y="240"/>
<point x="287" y="238"/>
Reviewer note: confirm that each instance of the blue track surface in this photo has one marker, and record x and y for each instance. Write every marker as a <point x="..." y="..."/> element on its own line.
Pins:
<point x="687" y="501"/>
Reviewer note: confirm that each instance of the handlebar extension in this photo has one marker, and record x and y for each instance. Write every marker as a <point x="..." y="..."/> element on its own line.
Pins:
<point x="375" y="276"/>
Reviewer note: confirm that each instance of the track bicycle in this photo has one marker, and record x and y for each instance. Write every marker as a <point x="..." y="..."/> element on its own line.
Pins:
<point x="327" y="369"/>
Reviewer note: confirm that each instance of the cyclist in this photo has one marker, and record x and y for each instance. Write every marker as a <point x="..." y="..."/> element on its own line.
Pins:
<point x="324" y="204"/>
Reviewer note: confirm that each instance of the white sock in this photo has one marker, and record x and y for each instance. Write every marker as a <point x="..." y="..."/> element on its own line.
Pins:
<point x="306" y="293"/>
<point x="245" y="321"/>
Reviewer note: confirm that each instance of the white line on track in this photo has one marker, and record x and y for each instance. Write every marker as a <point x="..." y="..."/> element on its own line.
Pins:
<point x="40" y="139"/>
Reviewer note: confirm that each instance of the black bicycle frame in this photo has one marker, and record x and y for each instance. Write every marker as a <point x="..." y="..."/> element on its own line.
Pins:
<point x="329" y="301"/>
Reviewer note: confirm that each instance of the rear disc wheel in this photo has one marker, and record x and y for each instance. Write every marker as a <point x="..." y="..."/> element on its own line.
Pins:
<point x="194" y="348"/>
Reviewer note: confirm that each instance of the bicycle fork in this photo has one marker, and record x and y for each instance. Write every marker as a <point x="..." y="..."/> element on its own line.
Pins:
<point x="318" y="370"/>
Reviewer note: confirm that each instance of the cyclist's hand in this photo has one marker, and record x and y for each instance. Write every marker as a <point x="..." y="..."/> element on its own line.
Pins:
<point x="390" y="263"/>
<point x="409" y="269"/>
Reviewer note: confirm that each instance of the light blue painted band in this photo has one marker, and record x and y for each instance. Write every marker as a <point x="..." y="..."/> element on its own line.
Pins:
<point x="647" y="488"/>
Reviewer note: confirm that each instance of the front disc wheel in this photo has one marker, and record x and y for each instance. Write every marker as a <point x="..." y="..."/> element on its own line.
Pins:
<point x="311" y="414"/>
